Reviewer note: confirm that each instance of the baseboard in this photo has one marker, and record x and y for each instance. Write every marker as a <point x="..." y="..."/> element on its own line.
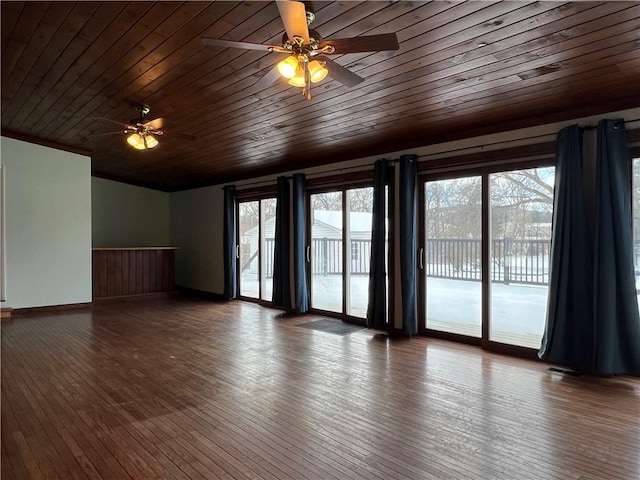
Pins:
<point x="5" y="314"/>
<point x="133" y="298"/>
<point x="192" y="292"/>
<point x="19" y="312"/>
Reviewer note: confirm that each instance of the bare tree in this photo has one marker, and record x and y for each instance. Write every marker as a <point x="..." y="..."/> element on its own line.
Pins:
<point x="331" y="201"/>
<point x="453" y="208"/>
<point x="360" y="199"/>
<point x="522" y="202"/>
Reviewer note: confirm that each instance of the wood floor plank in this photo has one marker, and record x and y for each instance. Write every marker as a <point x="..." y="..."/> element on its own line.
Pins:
<point x="195" y="389"/>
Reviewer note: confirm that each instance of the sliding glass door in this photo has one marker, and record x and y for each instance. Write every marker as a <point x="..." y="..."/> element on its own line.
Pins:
<point x="256" y="221"/>
<point x="485" y="255"/>
<point x="326" y="251"/>
<point x="341" y="250"/>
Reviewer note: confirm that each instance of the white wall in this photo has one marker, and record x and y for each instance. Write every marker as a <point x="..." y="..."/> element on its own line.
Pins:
<point x="196" y="229"/>
<point x="128" y="216"/>
<point x="196" y="215"/>
<point x="48" y="225"/>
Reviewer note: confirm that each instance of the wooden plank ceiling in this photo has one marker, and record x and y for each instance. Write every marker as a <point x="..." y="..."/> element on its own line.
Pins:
<point x="462" y="69"/>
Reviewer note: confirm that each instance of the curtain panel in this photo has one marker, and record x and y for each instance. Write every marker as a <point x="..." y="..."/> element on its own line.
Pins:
<point x="568" y="336"/>
<point x="377" y="305"/>
<point x="407" y="188"/>
<point x="301" y="286"/>
<point x="616" y="319"/>
<point x="593" y="323"/>
<point x="281" y="261"/>
<point x="229" y="243"/>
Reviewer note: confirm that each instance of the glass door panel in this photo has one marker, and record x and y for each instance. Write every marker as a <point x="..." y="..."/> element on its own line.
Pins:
<point x="267" y="243"/>
<point x="326" y="251"/>
<point x="521" y="205"/>
<point x="248" y="220"/>
<point x="453" y="255"/>
<point x="359" y="216"/>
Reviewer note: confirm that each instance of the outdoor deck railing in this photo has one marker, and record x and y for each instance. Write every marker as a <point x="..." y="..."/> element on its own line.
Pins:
<point x="513" y="261"/>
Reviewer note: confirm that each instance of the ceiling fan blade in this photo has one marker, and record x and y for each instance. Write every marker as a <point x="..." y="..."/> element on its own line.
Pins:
<point x="340" y="73"/>
<point x="214" y="42"/>
<point x="119" y="132"/>
<point x="268" y="79"/>
<point x="156" y="124"/>
<point x="181" y="136"/>
<point x="294" y="18"/>
<point x="125" y="125"/>
<point x="368" y="43"/>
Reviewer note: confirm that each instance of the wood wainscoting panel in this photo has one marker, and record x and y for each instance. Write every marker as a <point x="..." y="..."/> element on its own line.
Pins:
<point x="123" y="272"/>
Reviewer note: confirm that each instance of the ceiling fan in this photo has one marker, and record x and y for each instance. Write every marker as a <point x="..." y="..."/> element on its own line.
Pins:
<point x="142" y="133"/>
<point x="306" y="51"/>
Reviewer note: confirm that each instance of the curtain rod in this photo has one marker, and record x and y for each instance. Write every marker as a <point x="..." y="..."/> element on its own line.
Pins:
<point x="311" y="175"/>
<point x="624" y="122"/>
<point x="484" y="145"/>
<point x="586" y="127"/>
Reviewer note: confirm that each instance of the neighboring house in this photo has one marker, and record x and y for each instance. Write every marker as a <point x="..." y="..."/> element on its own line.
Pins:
<point x="326" y="246"/>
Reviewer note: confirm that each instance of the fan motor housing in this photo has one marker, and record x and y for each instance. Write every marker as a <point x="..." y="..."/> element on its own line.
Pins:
<point x="314" y="36"/>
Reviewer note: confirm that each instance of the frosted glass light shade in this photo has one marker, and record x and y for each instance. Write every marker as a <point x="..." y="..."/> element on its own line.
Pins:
<point x="317" y="71"/>
<point x="288" y="66"/>
<point x="298" y="80"/>
<point x="151" y="141"/>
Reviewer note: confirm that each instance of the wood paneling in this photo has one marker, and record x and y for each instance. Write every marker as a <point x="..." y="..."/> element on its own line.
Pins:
<point x="196" y="389"/>
<point x="123" y="272"/>
<point x="463" y="69"/>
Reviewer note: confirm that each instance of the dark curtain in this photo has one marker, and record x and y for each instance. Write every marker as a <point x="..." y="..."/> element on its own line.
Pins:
<point x="568" y="336"/>
<point x="377" y="307"/>
<point x="229" y="243"/>
<point x="281" y="281"/>
<point x="301" y="286"/>
<point x="407" y="186"/>
<point x="617" y="324"/>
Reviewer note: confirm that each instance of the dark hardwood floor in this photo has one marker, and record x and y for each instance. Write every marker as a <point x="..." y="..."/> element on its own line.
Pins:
<point x="193" y="389"/>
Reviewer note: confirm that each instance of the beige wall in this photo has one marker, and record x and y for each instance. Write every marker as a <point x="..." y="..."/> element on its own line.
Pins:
<point x="196" y="229"/>
<point x="128" y="216"/>
<point x="47" y="206"/>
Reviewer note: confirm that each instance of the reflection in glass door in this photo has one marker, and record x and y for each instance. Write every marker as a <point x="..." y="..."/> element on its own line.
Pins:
<point x="521" y="214"/>
<point x="452" y="258"/>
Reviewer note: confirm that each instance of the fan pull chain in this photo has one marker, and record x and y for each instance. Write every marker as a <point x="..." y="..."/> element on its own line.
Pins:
<point x="307" y="80"/>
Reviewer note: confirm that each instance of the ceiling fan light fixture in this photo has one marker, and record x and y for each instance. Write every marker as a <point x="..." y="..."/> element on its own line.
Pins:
<point x="317" y="71"/>
<point x="142" y="142"/>
<point x="299" y="79"/>
<point x="288" y="67"/>
<point x="151" y="141"/>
